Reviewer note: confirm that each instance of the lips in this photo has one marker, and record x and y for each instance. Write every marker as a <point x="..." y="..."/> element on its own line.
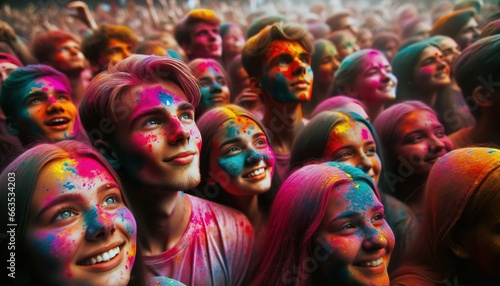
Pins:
<point x="182" y="158"/>
<point x="255" y="173"/>
<point x="300" y="84"/>
<point x="373" y="263"/>
<point x="102" y="255"/>
<point x="57" y="121"/>
<point x="218" y="98"/>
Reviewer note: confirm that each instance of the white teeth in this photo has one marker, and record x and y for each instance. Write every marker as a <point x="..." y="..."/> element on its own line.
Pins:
<point x="256" y="173"/>
<point x="372" y="263"/>
<point x="106" y="256"/>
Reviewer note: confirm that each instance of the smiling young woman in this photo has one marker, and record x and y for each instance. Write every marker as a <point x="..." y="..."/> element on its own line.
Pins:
<point x="73" y="223"/>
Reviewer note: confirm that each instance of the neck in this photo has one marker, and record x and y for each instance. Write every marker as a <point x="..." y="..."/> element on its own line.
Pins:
<point x="284" y="122"/>
<point x="162" y="217"/>
<point x="249" y="205"/>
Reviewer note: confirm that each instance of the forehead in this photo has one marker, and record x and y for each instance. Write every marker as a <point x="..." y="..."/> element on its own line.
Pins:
<point x="447" y="43"/>
<point x="430" y="51"/>
<point x="68" y="43"/>
<point x="203" y="26"/>
<point x="355" y="196"/>
<point x="279" y="47"/>
<point x="46" y="84"/>
<point x="375" y="59"/>
<point x="167" y="93"/>
<point x="232" y="128"/>
<point x="418" y="119"/>
<point x="207" y="67"/>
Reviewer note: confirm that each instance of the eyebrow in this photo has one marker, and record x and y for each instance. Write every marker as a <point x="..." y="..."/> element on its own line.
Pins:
<point x="73" y="198"/>
<point x="229" y="141"/>
<point x="146" y="112"/>
<point x="351" y="214"/>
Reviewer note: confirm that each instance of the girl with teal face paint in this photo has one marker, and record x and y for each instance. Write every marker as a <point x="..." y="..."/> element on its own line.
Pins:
<point x="237" y="162"/>
<point x="213" y="81"/>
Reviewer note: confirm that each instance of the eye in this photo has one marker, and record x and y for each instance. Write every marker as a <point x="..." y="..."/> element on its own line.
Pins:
<point x="35" y="101"/>
<point x="378" y="217"/>
<point x="305" y="59"/>
<point x="63" y="98"/>
<point x="221" y="81"/>
<point x="371" y="150"/>
<point x="205" y="83"/>
<point x="232" y="150"/>
<point x="152" y="122"/>
<point x="64" y="213"/>
<point x="348" y="225"/>
<point x="343" y="156"/>
<point x="439" y="133"/>
<point x="187" y="116"/>
<point x="110" y="201"/>
<point x="282" y="62"/>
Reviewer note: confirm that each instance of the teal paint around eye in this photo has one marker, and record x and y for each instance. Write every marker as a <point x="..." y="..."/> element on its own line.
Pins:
<point x="233" y="165"/>
<point x="165" y="98"/>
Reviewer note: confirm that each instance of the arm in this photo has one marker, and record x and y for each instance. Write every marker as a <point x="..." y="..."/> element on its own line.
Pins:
<point x="153" y="14"/>
<point x="83" y="14"/>
<point x="9" y="36"/>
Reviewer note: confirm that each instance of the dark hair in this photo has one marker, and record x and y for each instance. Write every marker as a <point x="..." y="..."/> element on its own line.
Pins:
<point x="9" y="96"/>
<point x="97" y="42"/>
<point x="43" y="46"/>
<point x="478" y="65"/>
<point x="256" y="47"/>
<point x="183" y="30"/>
<point x="450" y="24"/>
<point x="263" y="21"/>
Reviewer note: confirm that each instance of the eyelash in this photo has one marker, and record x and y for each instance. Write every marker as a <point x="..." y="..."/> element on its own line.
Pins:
<point x="61" y="210"/>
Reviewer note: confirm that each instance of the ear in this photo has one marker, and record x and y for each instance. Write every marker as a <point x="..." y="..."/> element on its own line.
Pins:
<point x="482" y="96"/>
<point x="108" y="152"/>
<point x="12" y="127"/>
<point x="458" y="245"/>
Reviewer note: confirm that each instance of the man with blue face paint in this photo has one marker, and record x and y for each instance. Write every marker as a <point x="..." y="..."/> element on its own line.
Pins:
<point x="140" y="114"/>
<point x="278" y="62"/>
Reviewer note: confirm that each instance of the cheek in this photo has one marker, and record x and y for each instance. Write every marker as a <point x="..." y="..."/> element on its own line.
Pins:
<point x="148" y="141"/>
<point x="124" y="217"/>
<point x="195" y="134"/>
<point x="56" y="248"/>
<point x="232" y="165"/>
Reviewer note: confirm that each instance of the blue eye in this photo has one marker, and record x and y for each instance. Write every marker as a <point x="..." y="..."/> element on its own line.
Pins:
<point x="109" y="201"/>
<point x="64" y="214"/>
<point x="152" y="122"/>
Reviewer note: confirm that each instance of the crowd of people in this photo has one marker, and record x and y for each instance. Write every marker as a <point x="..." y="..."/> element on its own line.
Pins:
<point x="250" y="143"/>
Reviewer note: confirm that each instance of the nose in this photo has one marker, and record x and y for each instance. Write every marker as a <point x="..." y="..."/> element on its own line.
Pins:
<point x="53" y="105"/>
<point x="374" y="240"/>
<point x="299" y="67"/>
<point x="385" y="76"/>
<point x="436" y="144"/>
<point x="178" y="132"/>
<point x="442" y="64"/>
<point x="252" y="157"/>
<point x="216" y="88"/>
<point x="99" y="225"/>
<point x="364" y="163"/>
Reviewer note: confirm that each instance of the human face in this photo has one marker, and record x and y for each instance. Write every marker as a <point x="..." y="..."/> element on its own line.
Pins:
<point x="450" y="50"/>
<point x="390" y="49"/>
<point x="467" y="34"/>
<point x="78" y="217"/>
<point x="346" y="46"/>
<point x="117" y="51"/>
<point x="241" y="159"/>
<point x="356" y="236"/>
<point x="422" y="30"/>
<point x="420" y="140"/>
<point x="375" y="82"/>
<point x="233" y="41"/>
<point x="288" y="76"/>
<point x="328" y="65"/>
<point x="69" y="56"/>
<point x="483" y="241"/>
<point x="432" y="71"/>
<point x="213" y="87"/>
<point x="45" y="109"/>
<point x="158" y="142"/>
<point x="206" y="42"/>
<point x="352" y="143"/>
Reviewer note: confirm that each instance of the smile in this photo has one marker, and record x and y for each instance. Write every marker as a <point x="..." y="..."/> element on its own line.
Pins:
<point x="370" y="264"/>
<point x="255" y="173"/>
<point x="103" y="257"/>
<point x="57" y="122"/>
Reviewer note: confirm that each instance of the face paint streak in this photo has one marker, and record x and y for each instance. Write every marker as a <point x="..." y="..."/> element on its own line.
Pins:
<point x="364" y="134"/>
<point x="165" y="98"/>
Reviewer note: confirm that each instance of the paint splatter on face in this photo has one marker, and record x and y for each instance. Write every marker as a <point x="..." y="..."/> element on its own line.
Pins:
<point x="69" y="56"/>
<point x="420" y="140"/>
<point x="358" y="238"/>
<point x="45" y="109"/>
<point x="432" y="71"/>
<point x="346" y="45"/>
<point x="241" y="159"/>
<point x="71" y="229"/>
<point x="328" y="64"/>
<point x="206" y="42"/>
<point x="288" y="76"/>
<point x="352" y="143"/>
<point x="375" y="82"/>
<point x="159" y="142"/>
<point x="213" y="87"/>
